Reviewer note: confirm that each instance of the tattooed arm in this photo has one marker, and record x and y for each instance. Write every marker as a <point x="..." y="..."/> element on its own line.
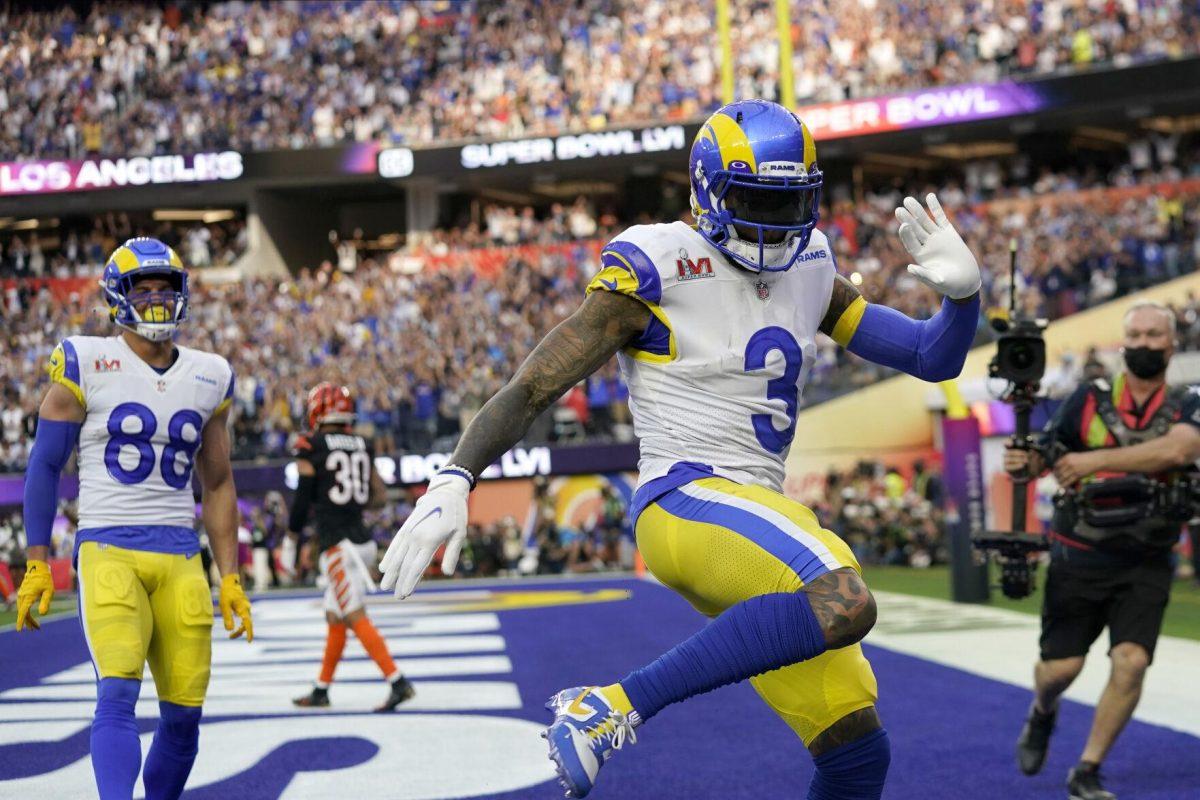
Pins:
<point x="604" y="324"/>
<point x="579" y="346"/>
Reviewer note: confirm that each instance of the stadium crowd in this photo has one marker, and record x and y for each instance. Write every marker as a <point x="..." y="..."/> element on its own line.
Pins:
<point x="426" y="334"/>
<point x="129" y="79"/>
<point x="78" y="247"/>
<point x="886" y="517"/>
<point x="1084" y="237"/>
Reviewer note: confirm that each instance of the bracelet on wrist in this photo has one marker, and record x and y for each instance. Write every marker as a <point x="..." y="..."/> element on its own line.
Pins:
<point x="462" y="472"/>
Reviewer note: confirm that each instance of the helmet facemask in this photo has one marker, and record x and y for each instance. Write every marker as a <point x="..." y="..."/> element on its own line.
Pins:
<point x="763" y="223"/>
<point x="161" y="309"/>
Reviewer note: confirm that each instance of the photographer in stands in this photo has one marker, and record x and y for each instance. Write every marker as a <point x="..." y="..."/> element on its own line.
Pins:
<point x="1122" y="453"/>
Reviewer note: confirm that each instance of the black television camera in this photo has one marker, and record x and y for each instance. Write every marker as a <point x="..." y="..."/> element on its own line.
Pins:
<point x="1020" y="360"/>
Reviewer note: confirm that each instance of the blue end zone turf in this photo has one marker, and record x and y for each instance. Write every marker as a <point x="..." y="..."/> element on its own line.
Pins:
<point x="952" y="733"/>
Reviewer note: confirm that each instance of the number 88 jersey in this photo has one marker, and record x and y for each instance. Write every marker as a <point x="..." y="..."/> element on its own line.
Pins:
<point x="342" y="462"/>
<point x="138" y="442"/>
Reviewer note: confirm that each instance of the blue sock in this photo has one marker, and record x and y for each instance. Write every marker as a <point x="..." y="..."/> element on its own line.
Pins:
<point x="116" y="748"/>
<point x="854" y="771"/>
<point x="173" y="751"/>
<point x="755" y="636"/>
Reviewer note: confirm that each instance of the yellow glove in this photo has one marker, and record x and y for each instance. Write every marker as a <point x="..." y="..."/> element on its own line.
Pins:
<point x="232" y="601"/>
<point x="37" y="583"/>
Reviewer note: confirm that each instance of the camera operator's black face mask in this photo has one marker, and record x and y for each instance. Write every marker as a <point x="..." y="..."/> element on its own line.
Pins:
<point x="1146" y="362"/>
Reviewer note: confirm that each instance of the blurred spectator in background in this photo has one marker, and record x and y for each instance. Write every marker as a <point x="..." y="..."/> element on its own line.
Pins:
<point x="422" y="348"/>
<point x="120" y="79"/>
<point x="12" y="550"/>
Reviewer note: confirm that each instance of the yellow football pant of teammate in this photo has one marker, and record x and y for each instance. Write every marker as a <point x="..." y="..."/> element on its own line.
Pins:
<point x="717" y="564"/>
<point x="137" y="606"/>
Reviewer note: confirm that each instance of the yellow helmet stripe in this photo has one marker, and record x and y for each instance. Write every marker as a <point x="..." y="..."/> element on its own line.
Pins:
<point x="125" y="259"/>
<point x="810" y="147"/>
<point x="731" y="140"/>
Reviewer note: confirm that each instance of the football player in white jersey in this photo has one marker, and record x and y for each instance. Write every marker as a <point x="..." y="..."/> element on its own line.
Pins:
<point x="714" y="328"/>
<point x="144" y="413"/>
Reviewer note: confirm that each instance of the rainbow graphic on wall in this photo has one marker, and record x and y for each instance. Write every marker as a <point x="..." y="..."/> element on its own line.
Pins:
<point x="577" y="499"/>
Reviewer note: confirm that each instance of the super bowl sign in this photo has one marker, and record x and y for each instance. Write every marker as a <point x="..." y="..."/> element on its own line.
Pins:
<point x="44" y="177"/>
<point x="920" y="109"/>
<point x="574" y="147"/>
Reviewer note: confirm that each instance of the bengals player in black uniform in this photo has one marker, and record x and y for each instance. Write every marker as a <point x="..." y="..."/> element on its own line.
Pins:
<point x="338" y="481"/>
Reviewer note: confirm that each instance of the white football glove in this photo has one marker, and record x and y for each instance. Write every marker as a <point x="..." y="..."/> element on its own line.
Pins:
<point x="440" y="515"/>
<point x="944" y="262"/>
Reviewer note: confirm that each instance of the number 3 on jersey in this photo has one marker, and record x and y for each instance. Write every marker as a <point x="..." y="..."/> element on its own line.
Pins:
<point x="352" y="477"/>
<point x="782" y="388"/>
<point x="174" y="474"/>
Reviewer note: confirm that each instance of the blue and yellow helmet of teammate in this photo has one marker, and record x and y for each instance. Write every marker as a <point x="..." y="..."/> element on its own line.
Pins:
<point x="756" y="187"/>
<point x="155" y="314"/>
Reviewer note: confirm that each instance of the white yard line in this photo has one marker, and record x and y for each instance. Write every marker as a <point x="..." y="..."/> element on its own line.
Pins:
<point x="1003" y="645"/>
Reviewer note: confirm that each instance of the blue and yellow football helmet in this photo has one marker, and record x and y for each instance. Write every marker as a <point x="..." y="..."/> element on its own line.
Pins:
<point x="162" y="311"/>
<point x="756" y="187"/>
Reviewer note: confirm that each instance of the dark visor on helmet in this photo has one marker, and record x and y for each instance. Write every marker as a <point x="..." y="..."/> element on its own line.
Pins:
<point x="772" y="204"/>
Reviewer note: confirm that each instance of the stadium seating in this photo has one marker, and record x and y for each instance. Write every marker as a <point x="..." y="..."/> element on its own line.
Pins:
<point x="129" y="79"/>
<point x="79" y="249"/>
<point x="426" y="334"/>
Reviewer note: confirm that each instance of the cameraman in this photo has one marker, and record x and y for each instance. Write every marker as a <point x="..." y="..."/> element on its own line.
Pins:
<point x="1102" y="573"/>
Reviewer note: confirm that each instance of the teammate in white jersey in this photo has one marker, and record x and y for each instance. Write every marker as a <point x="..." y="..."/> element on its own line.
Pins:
<point x="144" y="413"/>
<point x="715" y="329"/>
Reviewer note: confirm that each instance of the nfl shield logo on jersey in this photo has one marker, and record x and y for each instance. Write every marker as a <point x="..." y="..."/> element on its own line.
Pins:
<point x="764" y="291"/>
<point x="161" y="386"/>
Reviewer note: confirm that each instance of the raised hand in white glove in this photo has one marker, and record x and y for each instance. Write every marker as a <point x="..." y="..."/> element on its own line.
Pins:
<point x="944" y="262"/>
<point x="440" y="515"/>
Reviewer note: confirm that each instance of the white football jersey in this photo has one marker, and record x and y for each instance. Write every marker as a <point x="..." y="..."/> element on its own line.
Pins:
<point x="716" y="378"/>
<point x="139" y="439"/>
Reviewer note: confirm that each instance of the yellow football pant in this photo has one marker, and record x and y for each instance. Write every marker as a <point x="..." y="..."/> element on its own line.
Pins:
<point x="718" y="543"/>
<point x="137" y="606"/>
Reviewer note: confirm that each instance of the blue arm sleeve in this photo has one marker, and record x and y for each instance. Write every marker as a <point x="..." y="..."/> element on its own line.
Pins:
<point x="933" y="349"/>
<point x="51" y="448"/>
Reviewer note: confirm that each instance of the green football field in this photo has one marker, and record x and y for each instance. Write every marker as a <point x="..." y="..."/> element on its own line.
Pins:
<point x="1182" y="619"/>
<point x="60" y="604"/>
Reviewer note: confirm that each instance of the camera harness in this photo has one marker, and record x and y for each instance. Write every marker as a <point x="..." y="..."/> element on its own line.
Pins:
<point x="1160" y="423"/>
<point x="1137" y="508"/>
